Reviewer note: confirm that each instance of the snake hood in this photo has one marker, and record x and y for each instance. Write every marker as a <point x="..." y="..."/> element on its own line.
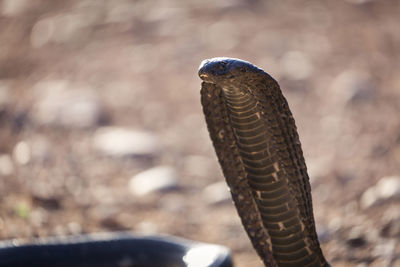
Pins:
<point x="259" y="150"/>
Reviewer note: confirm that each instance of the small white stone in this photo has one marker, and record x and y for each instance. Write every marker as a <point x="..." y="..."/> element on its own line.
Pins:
<point x="351" y="85"/>
<point x="153" y="180"/>
<point x="369" y="198"/>
<point x="146" y="227"/>
<point x="387" y="188"/>
<point x="6" y="165"/>
<point x="74" y="228"/>
<point x="22" y="153"/>
<point x="122" y="142"/>
<point x="217" y="193"/>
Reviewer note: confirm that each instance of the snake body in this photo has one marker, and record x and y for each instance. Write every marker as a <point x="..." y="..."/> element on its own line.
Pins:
<point x="258" y="148"/>
<point x="118" y="249"/>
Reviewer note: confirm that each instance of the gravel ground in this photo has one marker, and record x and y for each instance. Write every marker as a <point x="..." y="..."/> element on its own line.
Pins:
<point x="101" y="127"/>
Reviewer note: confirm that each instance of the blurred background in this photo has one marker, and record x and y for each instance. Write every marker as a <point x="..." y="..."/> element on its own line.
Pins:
<point x="101" y="127"/>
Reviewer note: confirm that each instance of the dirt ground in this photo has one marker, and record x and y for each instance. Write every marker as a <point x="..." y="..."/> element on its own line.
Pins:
<point x="70" y="68"/>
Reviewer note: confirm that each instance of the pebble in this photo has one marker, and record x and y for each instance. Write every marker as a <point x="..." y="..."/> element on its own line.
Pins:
<point x="74" y="228"/>
<point x="22" y="153"/>
<point x="156" y="179"/>
<point x="217" y="193"/>
<point x="386" y="189"/>
<point x="352" y="86"/>
<point x="60" y="103"/>
<point x="356" y="238"/>
<point x="123" y="142"/>
<point x="146" y="227"/>
<point x="6" y="165"/>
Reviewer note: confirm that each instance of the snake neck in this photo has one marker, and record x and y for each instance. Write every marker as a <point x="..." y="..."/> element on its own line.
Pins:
<point x="292" y="243"/>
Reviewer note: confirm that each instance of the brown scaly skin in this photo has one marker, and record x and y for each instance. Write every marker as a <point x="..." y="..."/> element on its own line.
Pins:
<point x="256" y="142"/>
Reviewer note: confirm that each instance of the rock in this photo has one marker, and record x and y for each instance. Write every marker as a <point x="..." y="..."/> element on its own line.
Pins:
<point x="22" y="153"/>
<point x="146" y="227"/>
<point x="6" y="165"/>
<point x="74" y="228"/>
<point x="352" y="86"/>
<point x="217" y="193"/>
<point x="157" y="179"/>
<point x="295" y="65"/>
<point x="386" y="189"/>
<point x="123" y="142"/>
<point x="60" y="103"/>
<point x="356" y="238"/>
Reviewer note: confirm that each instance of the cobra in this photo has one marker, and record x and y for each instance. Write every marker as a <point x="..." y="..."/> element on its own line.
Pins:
<point x="258" y="147"/>
<point x="256" y="142"/>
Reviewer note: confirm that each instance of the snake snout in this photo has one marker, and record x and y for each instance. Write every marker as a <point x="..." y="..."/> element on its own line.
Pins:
<point x="210" y="69"/>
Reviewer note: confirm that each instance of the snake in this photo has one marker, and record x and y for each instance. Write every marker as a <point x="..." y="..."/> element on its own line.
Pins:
<point x="114" y="249"/>
<point x="258" y="148"/>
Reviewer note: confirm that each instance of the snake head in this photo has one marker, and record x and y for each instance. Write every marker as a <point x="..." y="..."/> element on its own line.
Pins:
<point x="226" y="71"/>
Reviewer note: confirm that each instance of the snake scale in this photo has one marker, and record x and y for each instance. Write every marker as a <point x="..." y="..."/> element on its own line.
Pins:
<point x="258" y="147"/>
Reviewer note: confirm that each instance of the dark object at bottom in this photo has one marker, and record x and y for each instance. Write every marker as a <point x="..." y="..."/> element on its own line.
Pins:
<point x="120" y="249"/>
